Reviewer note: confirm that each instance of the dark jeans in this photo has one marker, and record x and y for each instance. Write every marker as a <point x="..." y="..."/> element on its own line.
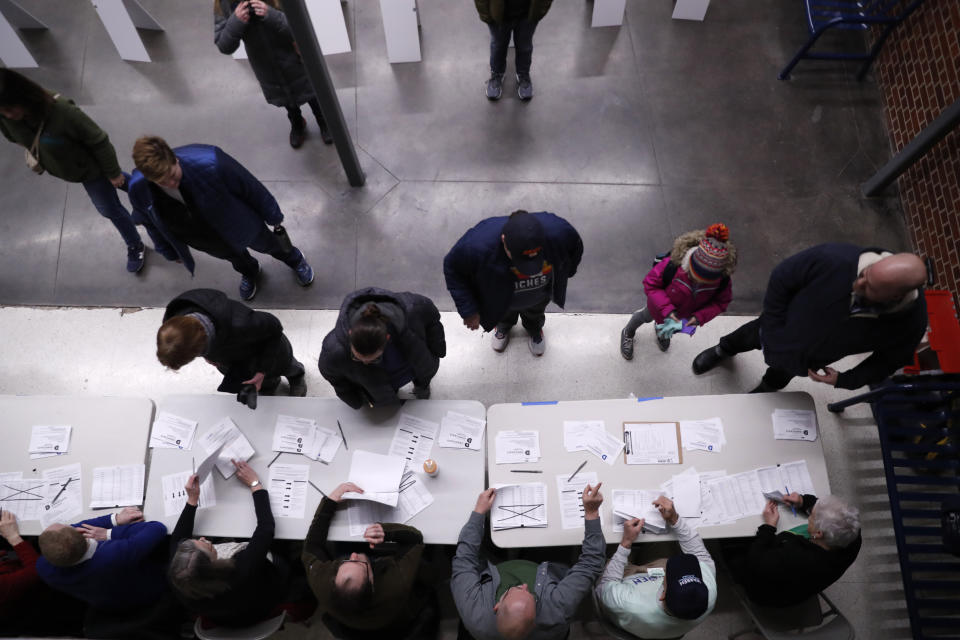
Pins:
<point x="747" y="338"/>
<point x="522" y="31"/>
<point x="105" y="199"/>
<point x="293" y="113"/>
<point x="287" y="366"/>
<point x="265" y="242"/>
<point x="532" y="318"/>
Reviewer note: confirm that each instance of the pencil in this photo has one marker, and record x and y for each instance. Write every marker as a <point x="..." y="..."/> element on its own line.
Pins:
<point x="582" y="465"/>
<point x="343" y="437"/>
<point x="318" y="489"/>
<point x="526" y="470"/>
<point x="274" y="459"/>
<point x="193" y="465"/>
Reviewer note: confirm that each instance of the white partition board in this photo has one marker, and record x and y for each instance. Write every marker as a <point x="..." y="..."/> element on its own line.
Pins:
<point x="400" y="30"/>
<point x="607" y="13"/>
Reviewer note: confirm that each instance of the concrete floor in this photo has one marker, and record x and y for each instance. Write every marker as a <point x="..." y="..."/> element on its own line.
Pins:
<point x="114" y="355"/>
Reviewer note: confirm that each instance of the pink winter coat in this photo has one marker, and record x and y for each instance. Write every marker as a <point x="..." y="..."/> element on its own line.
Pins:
<point x="683" y="296"/>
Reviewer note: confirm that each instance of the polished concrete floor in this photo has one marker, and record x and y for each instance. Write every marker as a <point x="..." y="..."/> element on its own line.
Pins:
<point x="636" y="134"/>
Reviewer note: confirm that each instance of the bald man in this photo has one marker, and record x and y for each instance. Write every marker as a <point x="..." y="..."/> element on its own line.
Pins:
<point x="827" y="302"/>
<point x="518" y="598"/>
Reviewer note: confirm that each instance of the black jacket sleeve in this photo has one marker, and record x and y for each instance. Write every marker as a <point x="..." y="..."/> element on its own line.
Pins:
<point x="316" y="541"/>
<point x="184" y="528"/>
<point x="256" y="552"/>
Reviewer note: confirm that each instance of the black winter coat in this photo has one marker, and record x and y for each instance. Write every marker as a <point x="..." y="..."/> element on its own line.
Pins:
<point x="246" y="341"/>
<point x="414" y="327"/>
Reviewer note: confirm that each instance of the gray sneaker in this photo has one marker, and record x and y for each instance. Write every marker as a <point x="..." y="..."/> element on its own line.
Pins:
<point x="626" y="345"/>
<point x="495" y="86"/>
<point x="524" y="86"/>
<point x="500" y="339"/>
<point x="538" y="345"/>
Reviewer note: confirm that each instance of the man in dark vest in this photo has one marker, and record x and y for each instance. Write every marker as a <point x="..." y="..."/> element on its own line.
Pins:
<point x="505" y="18"/>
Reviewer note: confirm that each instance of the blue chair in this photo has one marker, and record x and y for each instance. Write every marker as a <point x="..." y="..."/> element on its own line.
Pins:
<point x="855" y="15"/>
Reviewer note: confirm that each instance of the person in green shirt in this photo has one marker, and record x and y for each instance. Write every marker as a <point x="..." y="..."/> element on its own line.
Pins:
<point x="70" y="146"/>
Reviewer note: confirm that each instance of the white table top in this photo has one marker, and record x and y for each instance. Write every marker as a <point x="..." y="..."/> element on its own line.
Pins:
<point x="750" y="444"/>
<point x="454" y="490"/>
<point x="106" y="432"/>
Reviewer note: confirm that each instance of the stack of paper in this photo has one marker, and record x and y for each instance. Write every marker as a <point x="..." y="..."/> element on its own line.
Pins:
<point x="175" y="493"/>
<point x="459" y="431"/>
<point x="571" y="497"/>
<point x="783" y="479"/>
<point x="413" y="440"/>
<point x="293" y="435"/>
<point x="651" y="442"/>
<point x="288" y="489"/>
<point x="414" y="498"/>
<point x="49" y="441"/>
<point x="518" y="506"/>
<point x="326" y="443"/>
<point x="637" y="503"/>
<point x="379" y="476"/>
<point x="63" y="497"/>
<point x="518" y="446"/>
<point x="235" y="446"/>
<point x="172" y="432"/>
<point x="737" y="496"/>
<point x="794" y="424"/>
<point x="592" y="436"/>
<point x="120" y="486"/>
<point x="703" y="435"/>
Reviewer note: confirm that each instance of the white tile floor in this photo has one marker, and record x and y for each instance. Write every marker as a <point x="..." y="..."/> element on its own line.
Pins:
<point x="111" y="352"/>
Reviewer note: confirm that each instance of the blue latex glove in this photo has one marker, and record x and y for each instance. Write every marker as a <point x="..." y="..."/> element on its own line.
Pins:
<point x="688" y="328"/>
<point x="668" y="328"/>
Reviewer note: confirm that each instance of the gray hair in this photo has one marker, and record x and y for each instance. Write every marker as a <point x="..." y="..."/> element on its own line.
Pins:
<point x="195" y="575"/>
<point x="838" y="521"/>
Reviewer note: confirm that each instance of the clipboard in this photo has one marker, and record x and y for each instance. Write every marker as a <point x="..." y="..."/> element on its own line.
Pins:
<point x="626" y="439"/>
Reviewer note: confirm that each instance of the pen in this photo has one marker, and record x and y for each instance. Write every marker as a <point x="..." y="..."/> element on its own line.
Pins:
<point x="274" y="459"/>
<point x="343" y="437"/>
<point x="528" y="471"/>
<point x="318" y="489"/>
<point x="792" y="508"/>
<point x="193" y="465"/>
<point x="62" y="489"/>
<point x="582" y="465"/>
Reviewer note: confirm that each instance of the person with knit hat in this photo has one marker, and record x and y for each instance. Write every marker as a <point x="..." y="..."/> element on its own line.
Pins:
<point x="686" y="289"/>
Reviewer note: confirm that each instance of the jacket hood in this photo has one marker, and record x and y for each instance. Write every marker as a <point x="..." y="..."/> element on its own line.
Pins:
<point x="353" y="305"/>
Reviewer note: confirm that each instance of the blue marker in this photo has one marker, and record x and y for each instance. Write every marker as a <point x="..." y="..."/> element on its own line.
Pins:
<point x="792" y="508"/>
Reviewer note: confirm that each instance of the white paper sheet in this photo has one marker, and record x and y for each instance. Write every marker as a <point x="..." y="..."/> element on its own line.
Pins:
<point x="519" y="506"/>
<point x="796" y="477"/>
<point x="570" y="494"/>
<point x="326" y="443"/>
<point x="175" y="495"/>
<point x="62" y="506"/>
<point x="207" y="465"/>
<point x="592" y="436"/>
<point x="294" y="435"/>
<point x="637" y="503"/>
<point x="119" y="486"/>
<point x="413" y="439"/>
<point x="459" y="431"/>
<point x="11" y="475"/>
<point x="517" y="446"/>
<point x="414" y="498"/>
<point x="574" y="432"/>
<point x="738" y="496"/>
<point x="703" y="435"/>
<point x="235" y="446"/>
<point x="172" y="432"/>
<point x="288" y="490"/>
<point x="709" y="513"/>
<point x="50" y="440"/>
<point x="686" y="494"/>
<point x="23" y="498"/>
<point x="652" y="443"/>
<point x="794" y="424"/>
<point x="378" y="475"/>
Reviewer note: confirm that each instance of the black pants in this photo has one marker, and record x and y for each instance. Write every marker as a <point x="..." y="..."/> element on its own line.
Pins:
<point x="245" y="264"/>
<point x="293" y="113"/>
<point x="747" y="338"/>
<point x="522" y="31"/>
<point x="532" y="318"/>
<point x="287" y="366"/>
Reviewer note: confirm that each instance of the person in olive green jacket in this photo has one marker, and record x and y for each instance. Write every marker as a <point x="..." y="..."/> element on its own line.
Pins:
<point x="370" y="591"/>
<point x="519" y="18"/>
<point x="69" y="146"/>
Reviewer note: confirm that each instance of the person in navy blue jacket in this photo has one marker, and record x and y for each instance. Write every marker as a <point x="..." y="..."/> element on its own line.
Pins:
<point x="827" y="302"/>
<point x="199" y="196"/>
<point x="510" y="266"/>
<point x="113" y="563"/>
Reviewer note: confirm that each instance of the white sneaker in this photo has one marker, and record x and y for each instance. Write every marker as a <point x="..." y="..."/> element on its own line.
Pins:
<point x="500" y="340"/>
<point x="537" y="347"/>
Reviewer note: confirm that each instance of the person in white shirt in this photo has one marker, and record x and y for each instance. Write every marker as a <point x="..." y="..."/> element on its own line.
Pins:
<point x="655" y="604"/>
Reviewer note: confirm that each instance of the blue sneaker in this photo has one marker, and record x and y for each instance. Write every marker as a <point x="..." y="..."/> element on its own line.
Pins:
<point x="304" y="272"/>
<point x="135" y="258"/>
<point x="248" y="286"/>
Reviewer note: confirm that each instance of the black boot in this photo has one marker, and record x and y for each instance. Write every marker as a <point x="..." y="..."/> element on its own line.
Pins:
<point x="763" y="387"/>
<point x="708" y="359"/>
<point x="324" y="131"/>
<point x="298" y="132"/>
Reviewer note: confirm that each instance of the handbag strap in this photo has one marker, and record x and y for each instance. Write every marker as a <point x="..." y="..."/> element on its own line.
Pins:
<point x="35" y="147"/>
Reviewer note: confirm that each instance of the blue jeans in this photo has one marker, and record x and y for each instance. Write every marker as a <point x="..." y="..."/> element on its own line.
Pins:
<point x="522" y="41"/>
<point x="105" y="199"/>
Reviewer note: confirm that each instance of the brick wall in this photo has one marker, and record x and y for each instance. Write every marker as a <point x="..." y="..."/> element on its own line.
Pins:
<point x="918" y="72"/>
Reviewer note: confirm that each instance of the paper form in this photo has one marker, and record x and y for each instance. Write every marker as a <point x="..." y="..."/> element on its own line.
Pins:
<point x="414" y="498"/>
<point x="574" y="431"/>
<point x="207" y="464"/>
<point x="709" y="514"/>
<point x="172" y="432"/>
<point x="62" y="506"/>
<point x="378" y="475"/>
<point x="235" y="446"/>
<point x="796" y="477"/>
<point x="703" y="435"/>
<point x="326" y="442"/>
<point x="11" y="475"/>
<point x="459" y="431"/>
<point x="571" y="497"/>
<point x="592" y="436"/>
<point x="175" y="493"/>
<point x="738" y="496"/>
<point x="651" y="442"/>
<point x="23" y="498"/>
<point x="794" y="424"/>
<point x="686" y="494"/>
<point x="49" y="440"/>
<point x="294" y="435"/>
<point x="519" y="506"/>
<point x="637" y="503"/>
<point x="517" y="446"/>
<point x="119" y="486"/>
<point x="413" y="439"/>
<point x="288" y="490"/>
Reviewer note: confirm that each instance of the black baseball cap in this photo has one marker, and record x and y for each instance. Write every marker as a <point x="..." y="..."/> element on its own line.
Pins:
<point x="685" y="596"/>
<point x="524" y="238"/>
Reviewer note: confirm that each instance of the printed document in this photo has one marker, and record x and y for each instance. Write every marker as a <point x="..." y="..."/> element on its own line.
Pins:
<point x="703" y="435"/>
<point x="63" y="500"/>
<point x="637" y="503"/>
<point x="50" y="440"/>
<point x="574" y="431"/>
<point x="414" y="498"/>
<point x="288" y="489"/>
<point x="23" y="498"/>
<point x="413" y="439"/>
<point x="592" y="436"/>
<point x="294" y="435"/>
<point x="651" y="442"/>
<point x="571" y="497"/>
<point x="172" y="432"/>
<point x="794" y="424"/>
<point x="207" y="464"/>
<point x="518" y="506"/>
<point x="119" y="486"/>
<point x="326" y="442"/>
<point x="518" y="446"/>
<point x="686" y="493"/>
<point x="235" y="445"/>
<point x="737" y="496"/>
<point x="709" y="513"/>
<point x="175" y="493"/>
<point x="378" y="475"/>
<point x="459" y="431"/>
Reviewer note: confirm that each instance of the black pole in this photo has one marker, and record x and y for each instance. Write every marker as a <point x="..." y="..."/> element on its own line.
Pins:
<point x="316" y="67"/>
<point x="931" y="135"/>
